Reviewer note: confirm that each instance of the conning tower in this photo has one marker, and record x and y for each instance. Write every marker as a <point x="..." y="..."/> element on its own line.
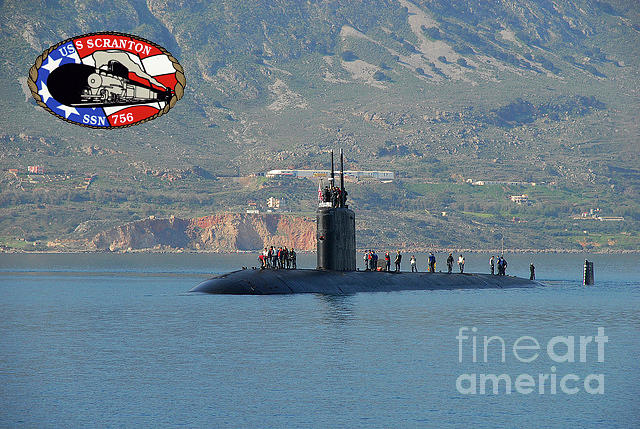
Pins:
<point x="336" y="223"/>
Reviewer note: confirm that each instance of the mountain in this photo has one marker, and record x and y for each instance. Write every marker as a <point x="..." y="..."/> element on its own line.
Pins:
<point x="438" y="91"/>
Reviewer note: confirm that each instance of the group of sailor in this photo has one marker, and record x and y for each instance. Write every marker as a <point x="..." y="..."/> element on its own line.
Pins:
<point x="370" y="259"/>
<point x="283" y="258"/>
<point x="334" y="195"/>
<point x="501" y="263"/>
<point x="278" y="258"/>
<point x="431" y="263"/>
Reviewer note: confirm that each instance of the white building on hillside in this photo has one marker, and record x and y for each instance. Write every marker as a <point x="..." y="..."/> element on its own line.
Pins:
<point x="375" y="174"/>
<point x="520" y="199"/>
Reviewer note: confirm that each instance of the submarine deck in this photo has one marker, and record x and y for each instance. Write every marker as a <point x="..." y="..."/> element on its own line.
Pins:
<point x="270" y="282"/>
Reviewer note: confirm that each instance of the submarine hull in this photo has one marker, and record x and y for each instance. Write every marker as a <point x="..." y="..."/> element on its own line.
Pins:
<point x="274" y="282"/>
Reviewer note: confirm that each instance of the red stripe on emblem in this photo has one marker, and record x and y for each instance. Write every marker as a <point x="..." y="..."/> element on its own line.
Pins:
<point x="130" y="115"/>
<point x="168" y="80"/>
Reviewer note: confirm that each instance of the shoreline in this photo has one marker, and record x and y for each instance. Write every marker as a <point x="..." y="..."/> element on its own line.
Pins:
<point x="403" y="250"/>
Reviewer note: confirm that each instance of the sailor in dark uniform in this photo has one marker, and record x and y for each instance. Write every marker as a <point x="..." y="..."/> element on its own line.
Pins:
<point x="532" y="269"/>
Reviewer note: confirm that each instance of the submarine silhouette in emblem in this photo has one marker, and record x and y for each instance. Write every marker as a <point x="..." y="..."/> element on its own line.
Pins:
<point x="336" y="272"/>
<point x="81" y="85"/>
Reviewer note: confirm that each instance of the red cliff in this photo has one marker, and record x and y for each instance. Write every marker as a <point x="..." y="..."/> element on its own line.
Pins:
<point x="218" y="233"/>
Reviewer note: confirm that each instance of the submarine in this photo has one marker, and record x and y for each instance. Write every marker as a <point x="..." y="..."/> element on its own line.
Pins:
<point x="336" y="272"/>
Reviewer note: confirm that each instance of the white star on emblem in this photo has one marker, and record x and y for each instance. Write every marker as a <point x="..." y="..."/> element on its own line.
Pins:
<point x="68" y="110"/>
<point x="52" y="64"/>
<point x="44" y="92"/>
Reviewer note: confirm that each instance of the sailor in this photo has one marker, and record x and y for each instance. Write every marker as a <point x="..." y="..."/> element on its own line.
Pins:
<point x="492" y="262"/>
<point x="432" y="263"/>
<point x="335" y="196"/>
<point x="387" y="262"/>
<point x="285" y="258"/>
<point x="461" y="263"/>
<point x="261" y="258"/>
<point x="370" y="260"/>
<point x="374" y="261"/>
<point x="502" y="266"/>
<point x="271" y="258"/>
<point x="397" y="261"/>
<point x="365" y="257"/>
<point x="532" y="270"/>
<point x="326" y="194"/>
<point x="344" y="198"/>
<point x="279" y="257"/>
<point x="450" y="263"/>
<point x="412" y="261"/>
<point x="292" y="258"/>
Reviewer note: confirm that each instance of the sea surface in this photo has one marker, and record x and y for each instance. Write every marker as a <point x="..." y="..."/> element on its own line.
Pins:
<point x="115" y="340"/>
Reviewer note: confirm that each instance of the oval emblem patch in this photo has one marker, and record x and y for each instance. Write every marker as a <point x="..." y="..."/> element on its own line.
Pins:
<point x="106" y="80"/>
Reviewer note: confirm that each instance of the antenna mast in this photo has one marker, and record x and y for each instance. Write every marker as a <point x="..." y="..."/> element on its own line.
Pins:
<point x="332" y="178"/>
<point x="341" y="178"/>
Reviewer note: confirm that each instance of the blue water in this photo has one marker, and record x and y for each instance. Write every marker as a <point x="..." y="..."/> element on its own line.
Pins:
<point x="114" y="340"/>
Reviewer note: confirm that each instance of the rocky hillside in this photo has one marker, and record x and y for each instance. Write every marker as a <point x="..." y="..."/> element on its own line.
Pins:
<point x="217" y="233"/>
<point x="439" y="91"/>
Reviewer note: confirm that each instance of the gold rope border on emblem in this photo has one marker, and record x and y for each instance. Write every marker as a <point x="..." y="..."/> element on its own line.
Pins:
<point x="178" y="90"/>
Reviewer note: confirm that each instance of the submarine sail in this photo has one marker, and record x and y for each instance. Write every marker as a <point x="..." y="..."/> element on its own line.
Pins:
<point x="336" y="228"/>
